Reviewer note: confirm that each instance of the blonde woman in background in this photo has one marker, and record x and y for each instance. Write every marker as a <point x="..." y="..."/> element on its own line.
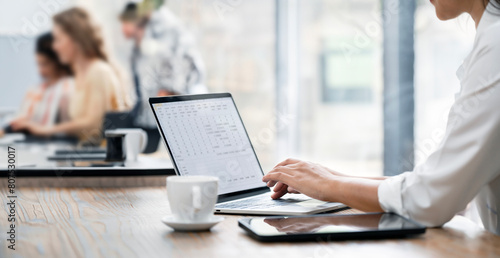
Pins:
<point x="98" y="87"/>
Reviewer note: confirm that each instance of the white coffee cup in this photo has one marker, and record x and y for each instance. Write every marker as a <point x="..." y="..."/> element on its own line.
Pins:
<point x="136" y="140"/>
<point x="192" y="198"/>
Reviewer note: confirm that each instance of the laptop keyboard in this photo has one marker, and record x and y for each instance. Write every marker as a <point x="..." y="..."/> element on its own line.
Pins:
<point x="261" y="202"/>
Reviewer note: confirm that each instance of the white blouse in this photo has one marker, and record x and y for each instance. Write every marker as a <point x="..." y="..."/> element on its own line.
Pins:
<point x="466" y="165"/>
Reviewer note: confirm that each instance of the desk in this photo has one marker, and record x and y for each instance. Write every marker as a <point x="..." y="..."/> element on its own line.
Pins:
<point x="33" y="169"/>
<point x="32" y="161"/>
<point x="76" y="222"/>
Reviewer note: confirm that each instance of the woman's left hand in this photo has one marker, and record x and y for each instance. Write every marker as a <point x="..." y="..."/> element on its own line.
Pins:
<point x="31" y="127"/>
<point x="19" y="124"/>
<point x="292" y="176"/>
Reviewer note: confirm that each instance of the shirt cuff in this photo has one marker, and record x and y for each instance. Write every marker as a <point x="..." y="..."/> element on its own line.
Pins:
<point x="389" y="194"/>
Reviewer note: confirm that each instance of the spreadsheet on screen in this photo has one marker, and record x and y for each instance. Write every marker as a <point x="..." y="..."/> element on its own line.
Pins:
<point x="207" y="137"/>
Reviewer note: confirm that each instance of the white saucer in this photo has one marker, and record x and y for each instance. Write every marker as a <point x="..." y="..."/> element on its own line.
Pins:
<point x="190" y="226"/>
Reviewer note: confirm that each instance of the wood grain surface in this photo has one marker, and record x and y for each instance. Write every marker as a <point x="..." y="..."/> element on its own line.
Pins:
<point x="125" y="222"/>
<point x="88" y="181"/>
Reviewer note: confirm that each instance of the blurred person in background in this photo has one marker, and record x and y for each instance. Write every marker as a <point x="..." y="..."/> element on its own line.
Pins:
<point x="47" y="103"/>
<point x="98" y="85"/>
<point x="164" y="59"/>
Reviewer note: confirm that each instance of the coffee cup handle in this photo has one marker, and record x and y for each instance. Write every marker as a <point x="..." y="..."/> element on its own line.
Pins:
<point x="144" y="140"/>
<point x="196" y="191"/>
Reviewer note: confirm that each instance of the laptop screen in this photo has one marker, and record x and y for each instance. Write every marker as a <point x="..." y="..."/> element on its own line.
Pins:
<point x="207" y="137"/>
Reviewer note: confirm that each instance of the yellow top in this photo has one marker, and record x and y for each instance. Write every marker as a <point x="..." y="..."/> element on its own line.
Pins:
<point x="98" y="92"/>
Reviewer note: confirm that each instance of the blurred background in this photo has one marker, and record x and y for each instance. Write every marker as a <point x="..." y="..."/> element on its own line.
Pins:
<point x="307" y="75"/>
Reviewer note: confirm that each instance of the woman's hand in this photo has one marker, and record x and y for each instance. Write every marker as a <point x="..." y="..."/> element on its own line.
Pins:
<point x="31" y="127"/>
<point x="19" y="124"/>
<point x="296" y="176"/>
<point x="318" y="182"/>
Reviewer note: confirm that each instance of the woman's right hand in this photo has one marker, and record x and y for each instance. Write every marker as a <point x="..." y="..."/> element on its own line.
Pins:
<point x="281" y="189"/>
<point x="303" y="173"/>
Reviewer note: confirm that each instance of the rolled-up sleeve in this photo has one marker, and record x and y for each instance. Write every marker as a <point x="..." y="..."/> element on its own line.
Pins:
<point x="389" y="193"/>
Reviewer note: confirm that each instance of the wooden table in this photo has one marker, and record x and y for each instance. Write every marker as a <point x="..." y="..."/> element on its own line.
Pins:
<point x="125" y="222"/>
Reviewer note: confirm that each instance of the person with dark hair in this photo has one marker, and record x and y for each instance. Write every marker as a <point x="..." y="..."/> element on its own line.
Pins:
<point x="46" y="104"/>
<point x="164" y="59"/>
<point x="465" y="166"/>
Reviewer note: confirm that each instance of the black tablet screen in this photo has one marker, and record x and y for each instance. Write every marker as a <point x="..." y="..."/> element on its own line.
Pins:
<point x="330" y="224"/>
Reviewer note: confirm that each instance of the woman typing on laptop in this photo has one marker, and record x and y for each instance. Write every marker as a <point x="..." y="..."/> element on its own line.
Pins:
<point x="465" y="165"/>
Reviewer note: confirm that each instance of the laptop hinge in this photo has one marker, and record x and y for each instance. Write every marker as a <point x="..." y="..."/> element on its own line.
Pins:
<point x="243" y="194"/>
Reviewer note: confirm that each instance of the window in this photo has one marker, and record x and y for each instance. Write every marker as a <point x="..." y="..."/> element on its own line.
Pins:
<point x="341" y="85"/>
<point x="332" y="87"/>
<point x="237" y="42"/>
<point x="440" y="48"/>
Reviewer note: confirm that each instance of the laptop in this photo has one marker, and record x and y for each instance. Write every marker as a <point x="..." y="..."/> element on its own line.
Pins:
<point x="204" y="135"/>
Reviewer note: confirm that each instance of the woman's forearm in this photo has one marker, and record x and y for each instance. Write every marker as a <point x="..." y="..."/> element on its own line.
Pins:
<point x="368" y="178"/>
<point x="70" y="127"/>
<point x="75" y="126"/>
<point x="357" y="193"/>
<point x="324" y="184"/>
<point x="345" y="175"/>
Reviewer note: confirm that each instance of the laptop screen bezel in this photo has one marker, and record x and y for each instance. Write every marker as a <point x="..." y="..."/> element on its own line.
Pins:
<point x="179" y="98"/>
